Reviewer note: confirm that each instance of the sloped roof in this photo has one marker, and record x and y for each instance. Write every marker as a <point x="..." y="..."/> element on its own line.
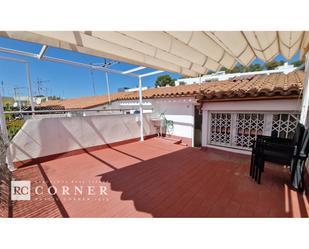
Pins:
<point x="279" y="85"/>
<point x="264" y="86"/>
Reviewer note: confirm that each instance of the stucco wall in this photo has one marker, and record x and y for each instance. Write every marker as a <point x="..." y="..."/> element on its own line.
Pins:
<point x="179" y="110"/>
<point x="48" y="136"/>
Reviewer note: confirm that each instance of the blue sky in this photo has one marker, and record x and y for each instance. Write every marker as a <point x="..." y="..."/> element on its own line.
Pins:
<point x="65" y="80"/>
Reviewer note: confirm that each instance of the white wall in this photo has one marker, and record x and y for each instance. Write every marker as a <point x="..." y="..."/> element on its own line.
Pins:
<point x="283" y="105"/>
<point x="179" y="110"/>
<point x="43" y="137"/>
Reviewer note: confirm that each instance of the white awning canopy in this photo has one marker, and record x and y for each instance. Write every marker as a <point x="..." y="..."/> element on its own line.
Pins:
<point x="189" y="53"/>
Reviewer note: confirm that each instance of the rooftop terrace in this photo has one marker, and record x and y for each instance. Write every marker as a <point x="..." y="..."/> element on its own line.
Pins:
<point x="158" y="178"/>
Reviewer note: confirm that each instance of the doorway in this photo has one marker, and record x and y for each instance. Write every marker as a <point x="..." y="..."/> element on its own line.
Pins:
<point x="198" y="117"/>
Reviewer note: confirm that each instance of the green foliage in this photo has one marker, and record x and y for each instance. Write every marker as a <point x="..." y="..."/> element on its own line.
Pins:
<point x="258" y="67"/>
<point x="297" y="63"/>
<point x="164" y="80"/>
<point x="243" y="69"/>
<point x="273" y="64"/>
<point x="14" y="126"/>
<point x="255" y="67"/>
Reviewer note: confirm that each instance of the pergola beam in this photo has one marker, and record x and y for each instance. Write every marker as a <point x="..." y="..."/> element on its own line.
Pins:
<point x="133" y="70"/>
<point x="68" y="62"/>
<point x="151" y="73"/>
<point x="42" y="51"/>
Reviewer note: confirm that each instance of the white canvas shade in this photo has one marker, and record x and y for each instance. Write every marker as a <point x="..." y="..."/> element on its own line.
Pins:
<point x="189" y="53"/>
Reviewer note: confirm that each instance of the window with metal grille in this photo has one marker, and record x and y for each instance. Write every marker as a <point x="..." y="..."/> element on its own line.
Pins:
<point x="238" y="130"/>
<point x="248" y="126"/>
<point x="220" y="128"/>
<point x="284" y="125"/>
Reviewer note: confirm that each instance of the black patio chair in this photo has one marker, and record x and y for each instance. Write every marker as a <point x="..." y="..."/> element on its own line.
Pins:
<point x="298" y="163"/>
<point x="277" y="150"/>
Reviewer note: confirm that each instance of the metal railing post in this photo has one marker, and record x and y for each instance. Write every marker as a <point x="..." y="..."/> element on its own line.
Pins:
<point x="305" y="98"/>
<point x="4" y="133"/>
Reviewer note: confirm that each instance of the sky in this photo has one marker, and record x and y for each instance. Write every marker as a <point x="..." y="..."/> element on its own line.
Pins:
<point x="68" y="81"/>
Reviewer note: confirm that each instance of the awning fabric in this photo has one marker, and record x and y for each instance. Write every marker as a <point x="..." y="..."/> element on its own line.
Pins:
<point x="190" y="53"/>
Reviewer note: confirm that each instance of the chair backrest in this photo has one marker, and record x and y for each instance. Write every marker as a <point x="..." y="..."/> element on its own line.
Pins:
<point x="305" y="143"/>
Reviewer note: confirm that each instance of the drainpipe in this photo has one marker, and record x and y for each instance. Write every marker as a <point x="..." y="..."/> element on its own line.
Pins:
<point x="305" y="99"/>
<point x="141" y="108"/>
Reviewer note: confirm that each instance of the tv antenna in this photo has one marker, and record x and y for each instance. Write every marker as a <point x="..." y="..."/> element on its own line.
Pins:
<point x="40" y="84"/>
<point x="105" y="64"/>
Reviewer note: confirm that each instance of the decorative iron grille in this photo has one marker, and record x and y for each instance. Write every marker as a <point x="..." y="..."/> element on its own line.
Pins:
<point x="238" y="130"/>
<point x="284" y="125"/>
<point x="220" y="128"/>
<point x="248" y="126"/>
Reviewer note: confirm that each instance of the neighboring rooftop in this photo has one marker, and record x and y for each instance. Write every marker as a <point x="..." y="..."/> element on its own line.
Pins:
<point x="222" y="75"/>
<point x="278" y="85"/>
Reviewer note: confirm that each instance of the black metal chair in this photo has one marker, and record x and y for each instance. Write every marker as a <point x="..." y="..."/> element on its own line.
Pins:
<point x="278" y="150"/>
<point x="298" y="163"/>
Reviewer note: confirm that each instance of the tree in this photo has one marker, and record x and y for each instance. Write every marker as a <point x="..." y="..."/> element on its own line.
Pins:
<point x="273" y="64"/>
<point x="297" y="63"/>
<point x="242" y="69"/>
<point x="255" y="67"/>
<point x="165" y="80"/>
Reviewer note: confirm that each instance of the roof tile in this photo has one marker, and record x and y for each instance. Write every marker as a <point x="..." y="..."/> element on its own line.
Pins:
<point x="245" y="87"/>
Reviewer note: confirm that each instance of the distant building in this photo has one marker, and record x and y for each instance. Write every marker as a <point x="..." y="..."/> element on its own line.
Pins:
<point x="136" y="89"/>
<point x="127" y="89"/>
<point x="24" y="101"/>
<point x="122" y="89"/>
<point x="221" y="75"/>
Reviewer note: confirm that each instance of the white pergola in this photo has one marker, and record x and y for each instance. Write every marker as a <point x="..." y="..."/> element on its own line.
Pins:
<point x="41" y="56"/>
<point x="190" y="53"/>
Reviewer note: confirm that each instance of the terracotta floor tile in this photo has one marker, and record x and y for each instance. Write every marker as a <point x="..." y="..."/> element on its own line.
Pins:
<point x="157" y="178"/>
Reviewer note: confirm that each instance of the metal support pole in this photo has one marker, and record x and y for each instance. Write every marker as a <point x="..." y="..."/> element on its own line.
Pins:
<point x="141" y="107"/>
<point x="305" y="98"/>
<point x="107" y="85"/>
<point x="42" y="52"/>
<point x="4" y="133"/>
<point x="30" y="88"/>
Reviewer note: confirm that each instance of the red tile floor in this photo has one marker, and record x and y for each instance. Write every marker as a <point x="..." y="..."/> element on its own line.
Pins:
<point x="157" y="178"/>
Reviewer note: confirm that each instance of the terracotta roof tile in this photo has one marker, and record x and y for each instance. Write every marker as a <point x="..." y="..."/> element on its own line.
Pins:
<point x="241" y="87"/>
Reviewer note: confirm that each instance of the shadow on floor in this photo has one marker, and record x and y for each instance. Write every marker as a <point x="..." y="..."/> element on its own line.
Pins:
<point x="40" y="206"/>
<point x="212" y="183"/>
